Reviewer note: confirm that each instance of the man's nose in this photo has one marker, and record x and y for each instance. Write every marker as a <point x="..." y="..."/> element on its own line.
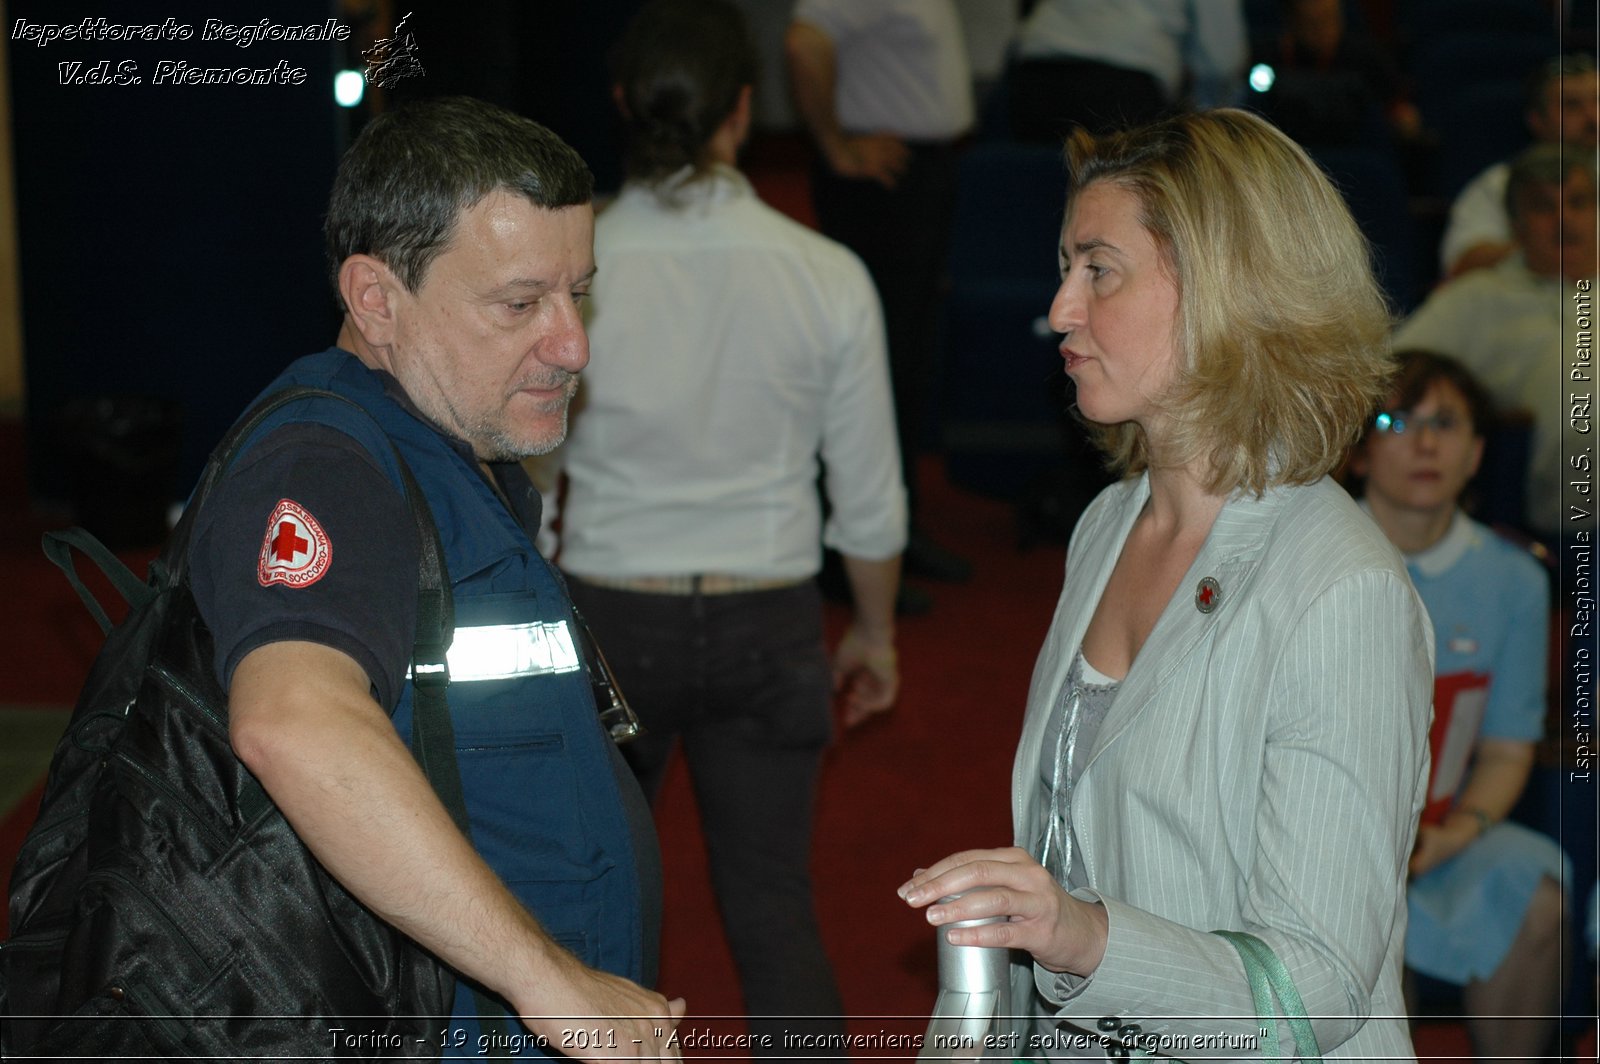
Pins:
<point x="566" y="346"/>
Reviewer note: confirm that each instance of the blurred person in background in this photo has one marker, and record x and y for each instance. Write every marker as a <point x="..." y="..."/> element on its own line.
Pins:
<point x="1511" y="323"/>
<point x="1563" y="109"/>
<point x="1110" y="64"/>
<point x="1330" y="84"/>
<point x="734" y="347"/>
<point x="885" y="89"/>
<point x="1487" y="909"/>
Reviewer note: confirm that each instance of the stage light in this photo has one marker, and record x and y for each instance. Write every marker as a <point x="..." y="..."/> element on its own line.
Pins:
<point x="348" y="87"/>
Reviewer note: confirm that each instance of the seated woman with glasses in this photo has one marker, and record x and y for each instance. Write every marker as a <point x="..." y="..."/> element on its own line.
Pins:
<point x="1486" y="904"/>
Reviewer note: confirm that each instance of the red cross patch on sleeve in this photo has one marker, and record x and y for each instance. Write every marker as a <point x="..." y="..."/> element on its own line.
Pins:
<point x="296" y="551"/>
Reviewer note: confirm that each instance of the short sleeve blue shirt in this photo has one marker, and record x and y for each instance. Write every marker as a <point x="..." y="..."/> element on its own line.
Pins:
<point x="1489" y="601"/>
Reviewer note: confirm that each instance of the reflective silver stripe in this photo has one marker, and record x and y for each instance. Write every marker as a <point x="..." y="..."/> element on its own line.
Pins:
<point x="504" y="651"/>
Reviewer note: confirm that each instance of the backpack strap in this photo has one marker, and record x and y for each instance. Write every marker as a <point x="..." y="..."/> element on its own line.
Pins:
<point x="58" y="547"/>
<point x="432" y="734"/>
<point x="433" y="739"/>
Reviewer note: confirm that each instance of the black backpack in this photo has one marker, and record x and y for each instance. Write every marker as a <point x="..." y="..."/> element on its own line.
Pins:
<point x="161" y="906"/>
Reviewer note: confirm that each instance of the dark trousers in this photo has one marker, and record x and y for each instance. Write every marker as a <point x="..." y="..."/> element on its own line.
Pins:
<point x="743" y="682"/>
<point x="1050" y="96"/>
<point x="903" y="236"/>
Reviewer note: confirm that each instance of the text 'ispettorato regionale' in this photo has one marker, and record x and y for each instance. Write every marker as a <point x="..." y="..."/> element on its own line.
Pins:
<point x="117" y="71"/>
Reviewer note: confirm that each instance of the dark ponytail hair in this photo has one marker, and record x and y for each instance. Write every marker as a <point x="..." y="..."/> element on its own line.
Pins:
<point x="680" y="66"/>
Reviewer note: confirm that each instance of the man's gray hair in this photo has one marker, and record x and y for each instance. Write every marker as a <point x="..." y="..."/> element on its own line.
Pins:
<point x="1543" y="164"/>
<point x="405" y="181"/>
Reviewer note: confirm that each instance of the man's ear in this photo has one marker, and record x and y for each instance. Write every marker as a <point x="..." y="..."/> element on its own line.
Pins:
<point x="369" y="291"/>
<point x="620" y="98"/>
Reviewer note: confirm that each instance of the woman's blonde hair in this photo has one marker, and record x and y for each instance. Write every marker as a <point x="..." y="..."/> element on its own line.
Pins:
<point x="1282" y="332"/>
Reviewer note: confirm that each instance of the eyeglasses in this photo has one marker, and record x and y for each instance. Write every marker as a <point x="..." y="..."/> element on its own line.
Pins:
<point x="616" y="716"/>
<point x="1399" y="422"/>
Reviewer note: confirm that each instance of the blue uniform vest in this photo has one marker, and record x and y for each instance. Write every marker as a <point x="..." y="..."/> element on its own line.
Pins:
<point x="537" y="770"/>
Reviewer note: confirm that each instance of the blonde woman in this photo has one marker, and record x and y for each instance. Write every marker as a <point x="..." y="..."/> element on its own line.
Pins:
<point x="1227" y="724"/>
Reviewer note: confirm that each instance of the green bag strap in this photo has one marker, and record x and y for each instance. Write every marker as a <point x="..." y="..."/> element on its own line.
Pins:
<point x="1269" y="977"/>
<point x="1260" y="991"/>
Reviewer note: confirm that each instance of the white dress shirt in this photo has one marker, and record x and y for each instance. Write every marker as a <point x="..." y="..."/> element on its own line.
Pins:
<point x="1478" y="215"/>
<point x="1163" y="38"/>
<point x="730" y="347"/>
<point x="901" y="66"/>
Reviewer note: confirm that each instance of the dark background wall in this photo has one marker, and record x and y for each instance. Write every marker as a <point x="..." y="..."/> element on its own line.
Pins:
<point x="546" y="59"/>
<point x="170" y="235"/>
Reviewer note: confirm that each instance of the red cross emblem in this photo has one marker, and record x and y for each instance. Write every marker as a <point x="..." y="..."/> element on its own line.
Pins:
<point x="287" y="544"/>
<point x="1208" y="595"/>
<point x="296" y="551"/>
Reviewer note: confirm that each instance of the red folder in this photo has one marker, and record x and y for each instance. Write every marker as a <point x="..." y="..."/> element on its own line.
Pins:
<point x="1459" y="699"/>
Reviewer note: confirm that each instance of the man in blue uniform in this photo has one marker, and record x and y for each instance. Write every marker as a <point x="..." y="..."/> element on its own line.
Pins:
<point x="460" y="237"/>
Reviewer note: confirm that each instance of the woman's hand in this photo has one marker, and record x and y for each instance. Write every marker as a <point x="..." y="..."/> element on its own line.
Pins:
<point x="1500" y="770"/>
<point x="1437" y="843"/>
<point x="1062" y="933"/>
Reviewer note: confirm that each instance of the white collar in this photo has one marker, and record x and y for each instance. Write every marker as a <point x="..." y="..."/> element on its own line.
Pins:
<point x="1460" y="537"/>
<point x="718" y="184"/>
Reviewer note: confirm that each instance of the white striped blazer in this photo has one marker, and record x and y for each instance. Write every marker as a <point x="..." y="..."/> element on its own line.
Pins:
<point x="1261" y="769"/>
